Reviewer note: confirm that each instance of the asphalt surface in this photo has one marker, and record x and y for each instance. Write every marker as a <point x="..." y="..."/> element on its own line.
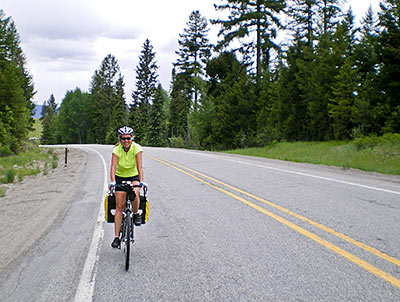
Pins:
<point x="222" y="228"/>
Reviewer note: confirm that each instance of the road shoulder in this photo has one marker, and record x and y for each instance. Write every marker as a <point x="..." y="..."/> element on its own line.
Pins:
<point x="30" y="207"/>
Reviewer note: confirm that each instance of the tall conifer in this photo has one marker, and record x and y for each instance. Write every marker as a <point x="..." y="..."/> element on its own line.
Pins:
<point x="389" y="57"/>
<point x="246" y="18"/>
<point x="193" y="54"/>
<point x="157" y="126"/>
<point x="48" y="118"/>
<point x="16" y="89"/>
<point x="143" y="95"/>
<point x="179" y="107"/>
<point x="106" y="99"/>
<point x="365" y="115"/>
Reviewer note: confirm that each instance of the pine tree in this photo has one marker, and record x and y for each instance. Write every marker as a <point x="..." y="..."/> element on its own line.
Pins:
<point x="143" y="95"/>
<point x="49" y="111"/>
<point x="232" y="91"/>
<point x="106" y="100"/>
<point x="364" y="114"/>
<point x="288" y="117"/>
<point x="345" y="82"/>
<point x="179" y="108"/>
<point x="248" y="17"/>
<point x="119" y="114"/>
<point x="328" y="57"/>
<point x="157" y="126"/>
<point x="389" y="50"/>
<point x="194" y="52"/>
<point x="303" y="20"/>
<point x="341" y="104"/>
<point x="16" y="89"/>
<point x="329" y="15"/>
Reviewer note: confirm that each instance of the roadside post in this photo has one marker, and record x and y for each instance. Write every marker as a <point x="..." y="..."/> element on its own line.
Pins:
<point x="66" y="156"/>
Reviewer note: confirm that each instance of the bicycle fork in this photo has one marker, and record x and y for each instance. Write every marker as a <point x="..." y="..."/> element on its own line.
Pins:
<point x="123" y="227"/>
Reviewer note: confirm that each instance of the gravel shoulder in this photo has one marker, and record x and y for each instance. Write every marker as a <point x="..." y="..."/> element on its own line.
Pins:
<point x="30" y="207"/>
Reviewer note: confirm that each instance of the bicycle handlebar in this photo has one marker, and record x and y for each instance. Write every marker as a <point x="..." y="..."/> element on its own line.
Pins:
<point x="128" y="183"/>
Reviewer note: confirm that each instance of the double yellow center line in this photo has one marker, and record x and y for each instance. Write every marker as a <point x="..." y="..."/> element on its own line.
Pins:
<point x="365" y="265"/>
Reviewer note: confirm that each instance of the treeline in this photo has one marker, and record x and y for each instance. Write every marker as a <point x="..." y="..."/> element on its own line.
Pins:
<point x="16" y="89"/>
<point x="95" y="116"/>
<point x="328" y="80"/>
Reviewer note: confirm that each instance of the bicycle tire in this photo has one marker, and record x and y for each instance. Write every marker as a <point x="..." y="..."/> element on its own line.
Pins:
<point x="127" y="240"/>
<point x="122" y="233"/>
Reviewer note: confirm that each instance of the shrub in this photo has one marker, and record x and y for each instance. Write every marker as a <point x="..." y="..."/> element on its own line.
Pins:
<point x="366" y="142"/>
<point x="54" y="162"/>
<point x="10" y="176"/>
<point x="177" y="142"/>
<point x="5" y="151"/>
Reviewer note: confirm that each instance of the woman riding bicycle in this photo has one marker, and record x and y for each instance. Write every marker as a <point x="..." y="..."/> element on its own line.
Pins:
<point x="126" y="165"/>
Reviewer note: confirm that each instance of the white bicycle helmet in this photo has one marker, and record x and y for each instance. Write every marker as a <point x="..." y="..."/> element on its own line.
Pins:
<point x="125" y="130"/>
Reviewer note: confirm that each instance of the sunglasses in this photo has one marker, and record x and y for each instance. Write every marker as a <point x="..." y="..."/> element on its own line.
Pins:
<point x="128" y="138"/>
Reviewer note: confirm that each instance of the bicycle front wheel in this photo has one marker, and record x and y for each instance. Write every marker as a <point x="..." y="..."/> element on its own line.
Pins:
<point x="127" y="240"/>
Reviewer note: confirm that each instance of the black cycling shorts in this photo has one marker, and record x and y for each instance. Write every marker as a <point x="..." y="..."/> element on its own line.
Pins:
<point x="119" y="180"/>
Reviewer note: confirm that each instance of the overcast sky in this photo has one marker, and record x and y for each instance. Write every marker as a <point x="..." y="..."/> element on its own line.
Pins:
<point x="65" y="41"/>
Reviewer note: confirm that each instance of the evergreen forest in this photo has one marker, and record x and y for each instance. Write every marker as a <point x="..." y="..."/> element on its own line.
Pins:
<point x="328" y="79"/>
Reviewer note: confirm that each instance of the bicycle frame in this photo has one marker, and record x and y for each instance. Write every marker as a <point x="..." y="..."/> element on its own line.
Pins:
<point x="127" y="226"/>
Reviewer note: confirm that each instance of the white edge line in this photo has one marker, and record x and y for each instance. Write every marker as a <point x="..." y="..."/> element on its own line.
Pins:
<point x="328" y="179"/>
<point x="88" y="277"/>
<point x="303" y="174"/>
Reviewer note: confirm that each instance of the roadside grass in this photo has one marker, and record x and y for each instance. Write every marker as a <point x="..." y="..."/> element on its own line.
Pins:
<point x="372" y="154"/>
<point x="31" y="161"/>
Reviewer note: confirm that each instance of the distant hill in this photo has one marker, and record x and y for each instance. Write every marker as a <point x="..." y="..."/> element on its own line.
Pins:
<point x="37" y="112"/>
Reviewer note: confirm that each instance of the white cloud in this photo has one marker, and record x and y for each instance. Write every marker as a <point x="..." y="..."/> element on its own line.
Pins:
<point x="44" y="49"/>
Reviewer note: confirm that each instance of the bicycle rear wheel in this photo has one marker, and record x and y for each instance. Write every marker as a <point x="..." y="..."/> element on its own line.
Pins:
<point x="127" y="240"/>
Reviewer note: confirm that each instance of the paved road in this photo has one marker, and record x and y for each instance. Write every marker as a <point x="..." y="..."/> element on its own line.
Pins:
<point x="224" y="228"/>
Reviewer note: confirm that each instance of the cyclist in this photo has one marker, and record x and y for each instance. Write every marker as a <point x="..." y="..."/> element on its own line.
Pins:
<point x="126" y="165"/>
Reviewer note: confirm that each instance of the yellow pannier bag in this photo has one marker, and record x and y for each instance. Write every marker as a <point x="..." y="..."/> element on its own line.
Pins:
<point x="109" y="207"/>
<point x="144" y="206"/>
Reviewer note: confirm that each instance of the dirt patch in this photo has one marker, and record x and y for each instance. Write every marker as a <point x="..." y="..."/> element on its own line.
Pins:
<point x="30" y="207"/>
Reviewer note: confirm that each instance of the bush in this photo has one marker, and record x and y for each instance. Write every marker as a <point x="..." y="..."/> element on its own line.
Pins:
<point x="366" y="142"/>
<point x="5" y="151"/>
<point x="177" y="142"/>
<point x="266" y="137"/>
<point x="391" y="138"/>
<point x="370" y="142"/>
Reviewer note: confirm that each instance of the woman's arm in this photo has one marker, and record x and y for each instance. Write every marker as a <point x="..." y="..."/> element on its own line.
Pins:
<point x="139" y="165"/>
<point x="114" y="161"/>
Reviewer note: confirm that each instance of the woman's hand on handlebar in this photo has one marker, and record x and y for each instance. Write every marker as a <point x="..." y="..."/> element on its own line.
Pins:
<point x="111" y="186"/>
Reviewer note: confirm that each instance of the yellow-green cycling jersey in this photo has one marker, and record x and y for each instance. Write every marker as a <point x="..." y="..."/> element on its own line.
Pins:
<point x="126" y="166"/>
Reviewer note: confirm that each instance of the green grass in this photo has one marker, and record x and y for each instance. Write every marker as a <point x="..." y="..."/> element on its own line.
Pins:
<point x="373" y="154"/>
<point x="31" y="161"/>
<point x="37" y="129"/>
<point x="9" y="176"/>
<point x="54" y="162"/>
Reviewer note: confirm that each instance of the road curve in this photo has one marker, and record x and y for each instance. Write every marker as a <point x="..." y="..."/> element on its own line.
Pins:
<point x="221" y="228"/>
